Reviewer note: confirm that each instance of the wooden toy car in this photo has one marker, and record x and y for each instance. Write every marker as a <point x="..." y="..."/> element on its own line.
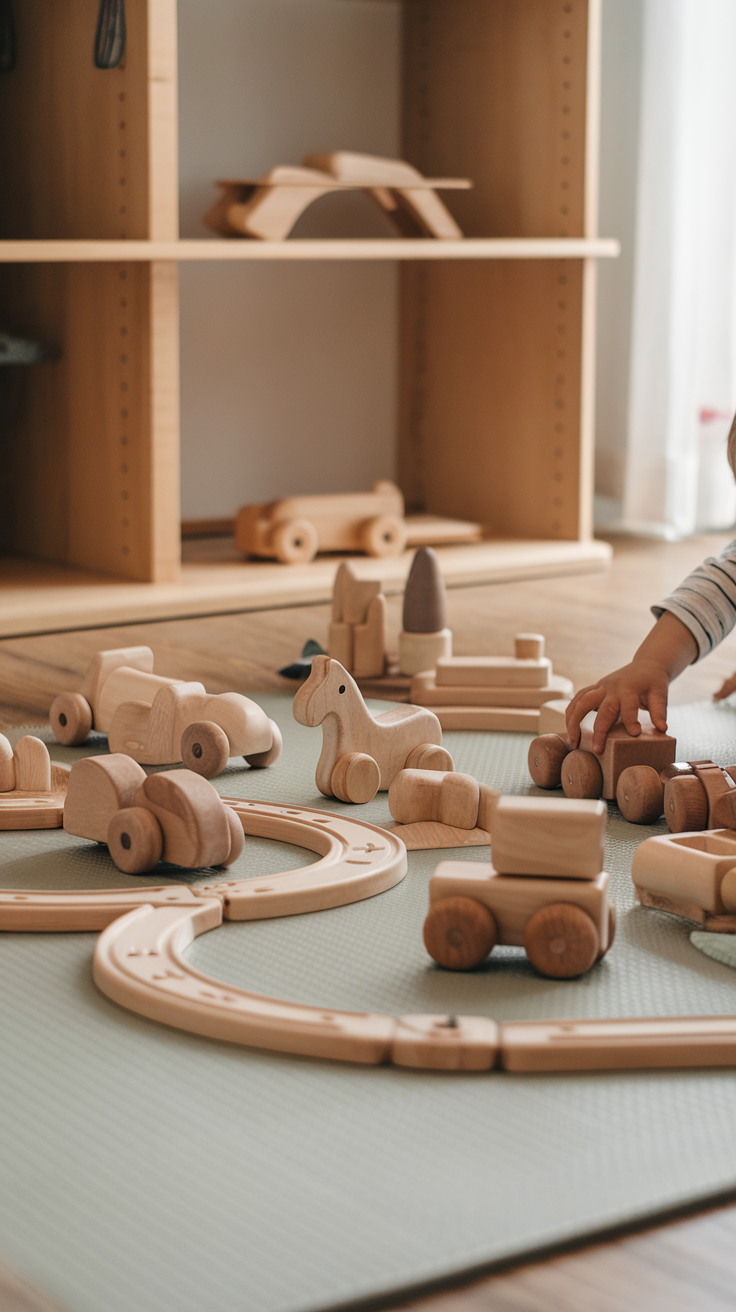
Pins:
<point x="173" y="816"/>
<point x="698" y="795"/>
<point x="296" y="528"/>
<point x="161" y="721"/>
<point x="690" y="875"/>
<point x="627" y="770"/>
<point x="545" y="891"/>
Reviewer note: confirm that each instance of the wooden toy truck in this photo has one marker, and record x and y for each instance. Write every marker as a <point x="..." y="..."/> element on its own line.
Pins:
<point x="162" y="721"/>
<point x="296" y="528"/>
<point x="690" y="875"/>
<point x="627" y="770"/>
<point x="174" y="816"/>
<point x="545" y="891"/>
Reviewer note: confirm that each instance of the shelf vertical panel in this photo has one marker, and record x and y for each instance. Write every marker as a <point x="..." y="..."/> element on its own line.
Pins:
<point x="490" y="412"/>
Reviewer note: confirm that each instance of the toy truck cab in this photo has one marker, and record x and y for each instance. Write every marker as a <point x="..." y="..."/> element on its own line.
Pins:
<point x="545" y="891"/>
<point x="294" y="529"/>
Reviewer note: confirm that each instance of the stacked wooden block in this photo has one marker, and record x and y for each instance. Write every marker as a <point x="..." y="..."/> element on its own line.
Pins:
<point x="492" y="692"/>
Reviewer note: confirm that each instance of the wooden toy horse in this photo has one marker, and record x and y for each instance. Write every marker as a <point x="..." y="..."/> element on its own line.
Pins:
<point x="361" y="753"/>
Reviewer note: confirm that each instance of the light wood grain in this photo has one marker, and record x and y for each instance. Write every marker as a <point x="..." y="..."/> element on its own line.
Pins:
<point x="347" y="248"/>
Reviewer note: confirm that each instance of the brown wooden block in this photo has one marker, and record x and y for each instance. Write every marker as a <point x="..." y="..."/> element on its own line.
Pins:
<point x="529" y="646"/>
<point x="369" y="641"/>
<point x="99" y="786"/>
<point x="651" y="747"/>
<point x="492" y="672"/>
<point x="352" y="596"/>
<point x="513" y="901"/>
<point x="446" y="797"/>
<point x="340" y="642"/>
<point x="425" y="692"/>
<point x="548" y="836"/>
<point x="32" y="765"/>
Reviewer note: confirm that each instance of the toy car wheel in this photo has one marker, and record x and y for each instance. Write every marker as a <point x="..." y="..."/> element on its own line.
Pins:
<point x="295" y="542"/>
<point x="685" y="804"/>
<point x="546" y="755"/>
<point x="640" y="795"/>
<point x="383" y="536"/>
<point x="561" y="940"/>
<point x="611" y="929"/>
<point x="355" y="778"/>
<point x="135" y="840"/>
<point x="237" y="837"/>
<point x="205" y="748"/>
<point x="259" y="760"/>
<point x="581" y="775"/>
<point x="71" y="718"/>
<point x="428" y="756"/>
<point x="459" y="932"/>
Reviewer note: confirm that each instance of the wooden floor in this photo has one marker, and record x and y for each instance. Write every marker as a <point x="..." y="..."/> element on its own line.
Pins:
<point x="593" y="624"/>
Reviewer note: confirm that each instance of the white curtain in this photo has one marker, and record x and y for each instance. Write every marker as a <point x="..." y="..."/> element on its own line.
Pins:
<point x="683" y="348"/>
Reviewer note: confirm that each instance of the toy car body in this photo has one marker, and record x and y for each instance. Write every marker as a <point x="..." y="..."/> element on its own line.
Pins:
<point x="691" y="875"/>
<point x="295" y="529"/>
<point x="160" y="721"/>
<point x="565" y="924"/>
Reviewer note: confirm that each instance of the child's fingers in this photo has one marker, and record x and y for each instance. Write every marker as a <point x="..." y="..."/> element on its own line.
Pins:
<point x="585" y="700"/>
<point x="726" y="689"/>
<point x="657" y="707"/>
<point x="630" y="713"/>
<point x="607" y="716"/>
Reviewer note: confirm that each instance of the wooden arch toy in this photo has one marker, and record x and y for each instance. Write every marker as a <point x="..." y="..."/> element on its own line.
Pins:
<point x="139" y="963"/>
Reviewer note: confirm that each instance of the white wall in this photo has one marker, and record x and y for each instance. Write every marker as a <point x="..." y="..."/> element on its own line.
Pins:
<point x="289" y="372"/>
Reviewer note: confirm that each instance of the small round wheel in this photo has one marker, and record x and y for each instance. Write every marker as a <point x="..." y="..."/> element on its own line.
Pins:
<point x="205" y="748"/>
<point x="71" y="718"/>
<point x="428" y="756"/>
<point x="237" y="837"/>
<point x="383" y="536"/>
<point x="561" y="940"/>
<point x="724" y="811"/>
<point x="546" y="755"/>
<point x="685" y="804"/>
<point x="135" y="840"/>
<point x="728" y="890"/>
<point x="259" y="760"/>
<point x="295" y="542"/>
<point x="611" y="929"/>
<point x="581" y="775"/>
<point x="640" y="795"/>
<point x="459" y="932"/>
<point x="355" y="778"/>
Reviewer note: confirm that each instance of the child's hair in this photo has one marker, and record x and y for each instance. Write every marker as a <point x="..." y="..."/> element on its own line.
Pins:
<point x="731" y="448"/>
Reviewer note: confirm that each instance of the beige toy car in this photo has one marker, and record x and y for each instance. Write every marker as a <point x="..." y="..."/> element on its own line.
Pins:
<point x="162" y="721"/>
<point x="545" y="891"/>
<point x="295" y="529"/>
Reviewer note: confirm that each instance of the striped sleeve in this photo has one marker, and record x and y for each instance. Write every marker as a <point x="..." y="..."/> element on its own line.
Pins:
<point x="706" y="600"/>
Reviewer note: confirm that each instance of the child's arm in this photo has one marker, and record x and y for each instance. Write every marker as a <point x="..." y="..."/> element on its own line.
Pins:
<point x="664" y="654"/>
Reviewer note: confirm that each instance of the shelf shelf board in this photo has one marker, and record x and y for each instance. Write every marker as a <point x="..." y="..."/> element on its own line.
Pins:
<point x="37" y="597"/>
<point x="470" y="248"/>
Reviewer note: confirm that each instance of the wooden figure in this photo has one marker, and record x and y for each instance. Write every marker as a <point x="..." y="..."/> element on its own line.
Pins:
<point x="624" y="771"/>
<point x="174" y="816"/>
<point x="32" y="789"/>
<point x="362" y="753"/>
<point x="357" y="634"/>
<point x="161" y="721"/>
<point x="545" y="891"/>
<point x="294" y="529"/>
<point x="492" y="692"/>
<point x="424" y="636"/>
<point x="267" y="208"/>
<point x="437" y="808"/>
<point x="690" y="875"/>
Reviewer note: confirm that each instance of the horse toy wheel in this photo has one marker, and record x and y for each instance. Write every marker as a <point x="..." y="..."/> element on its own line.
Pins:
<point x="355" y="778"/>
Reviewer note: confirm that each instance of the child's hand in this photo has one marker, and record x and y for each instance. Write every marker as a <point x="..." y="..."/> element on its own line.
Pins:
<point x="726" y="689"/>
<point x="643" y="683"/>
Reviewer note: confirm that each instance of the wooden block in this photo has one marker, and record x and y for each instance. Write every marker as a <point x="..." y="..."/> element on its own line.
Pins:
<point x="7" y="766"/>
<point x="446" y="797"/>
<point x="369" y="641"/>
<point x="192" y="816"/>
<point x="422" y="651"/>
<point x="391" y="686"/>
<point x="330" y="694"/>
<point x="425" y="692"/>
<point x="513" y="901"/>
<point x="433" y="530"/>
<point x="588" y="1045"/>
<point x="340" y="643"/>
<point x="529" y="646"/>
<point x="426" y="834"/>
<point x="126" y="684"/>
<point x="32" y="765"/>
<point x="501" y="719"/>
<point x="98" y="787"/>
<point x="488" y="800"/>
<point x="687" y="868"/>
<point x="446" y="1043"/>
<point x="548" y="836"/>
<point x="492" y="672"/>
<point x="103" y="664"/>
<point x="716" y="782"/>
<point x="22" y="810"/>
<point x="651" y="747"/>
<point x="553" y="716"/>
<point x="425" y="609"/>
<point x="352" y="596"/>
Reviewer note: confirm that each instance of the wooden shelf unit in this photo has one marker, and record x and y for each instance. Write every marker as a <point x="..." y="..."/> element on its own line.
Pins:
<point x="496" y="403"/>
